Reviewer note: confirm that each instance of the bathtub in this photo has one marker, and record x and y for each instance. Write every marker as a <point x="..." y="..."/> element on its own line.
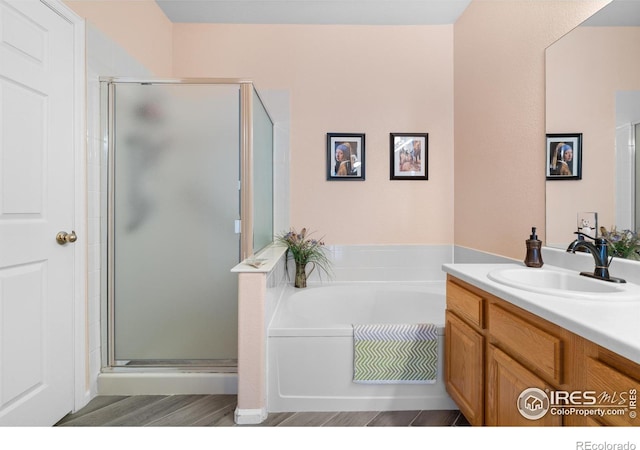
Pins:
<point x="310" y="346"/>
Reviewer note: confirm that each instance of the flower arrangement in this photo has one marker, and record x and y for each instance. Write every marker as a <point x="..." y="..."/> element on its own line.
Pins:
<point x="623" y="244"/>
<point x="304" y="251"/>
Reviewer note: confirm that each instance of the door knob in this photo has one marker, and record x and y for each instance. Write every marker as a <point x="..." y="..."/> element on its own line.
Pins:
<point x="63" y="237"/>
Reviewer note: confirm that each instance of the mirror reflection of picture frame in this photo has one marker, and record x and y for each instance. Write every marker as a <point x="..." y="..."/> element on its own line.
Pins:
<point x="564" y="156"/>
<point x="409" y="156"/>
<point x="345" y="156"/>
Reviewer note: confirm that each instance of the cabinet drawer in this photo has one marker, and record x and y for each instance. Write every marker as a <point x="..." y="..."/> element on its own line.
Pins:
<point x="541" y="350"/>
<point x="465" y="303"/>
<point x="615" y="389"/>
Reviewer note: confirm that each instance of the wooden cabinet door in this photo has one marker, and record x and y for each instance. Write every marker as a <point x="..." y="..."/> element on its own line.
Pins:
<point x="506" y="381"/>
<point x="616" y="391"/>
<point x="463" y="368"/>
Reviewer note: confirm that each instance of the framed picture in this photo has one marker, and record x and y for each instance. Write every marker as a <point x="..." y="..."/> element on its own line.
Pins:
<point x="564" y="156"/>
<point x="345" y="156"/>
<point x="409" y="156"/>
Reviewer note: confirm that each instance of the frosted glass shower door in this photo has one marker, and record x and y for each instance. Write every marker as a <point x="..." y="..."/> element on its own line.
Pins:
<point x="262" y="175"/>
<point x="175" y="199"/>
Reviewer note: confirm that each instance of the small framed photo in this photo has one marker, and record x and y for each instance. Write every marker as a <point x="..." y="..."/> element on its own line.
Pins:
<point x="345" y="156"/>
<point x="564" y="156"/>
<point x="409" y="156"/>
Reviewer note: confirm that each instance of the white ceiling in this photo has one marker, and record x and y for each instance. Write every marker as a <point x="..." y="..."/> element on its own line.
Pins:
<point x="352" y="12"/>
<point x="621" y="13"/>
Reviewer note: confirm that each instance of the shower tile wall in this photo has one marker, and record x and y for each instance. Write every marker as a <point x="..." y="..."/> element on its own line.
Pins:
<point x="104" y="58"/>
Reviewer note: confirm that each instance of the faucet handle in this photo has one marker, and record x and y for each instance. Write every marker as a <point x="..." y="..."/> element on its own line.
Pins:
<point x="581" y="234"/>
<point x="598" y="240"/>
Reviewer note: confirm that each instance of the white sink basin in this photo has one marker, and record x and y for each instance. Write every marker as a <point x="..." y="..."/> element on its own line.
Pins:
<point x="564" y="284"/>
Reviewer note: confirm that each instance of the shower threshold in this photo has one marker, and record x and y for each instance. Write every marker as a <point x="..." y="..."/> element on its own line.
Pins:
<point x="159" y="377"/>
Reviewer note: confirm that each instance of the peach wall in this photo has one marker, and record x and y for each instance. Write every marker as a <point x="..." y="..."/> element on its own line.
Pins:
<point x="582" y="89"/>
<point x="381" y="79"/>
<point x="252" y="333"/>
<point x="500" y="118"/>
<point x="140" y="27"/>
<point x="364" y="79"/>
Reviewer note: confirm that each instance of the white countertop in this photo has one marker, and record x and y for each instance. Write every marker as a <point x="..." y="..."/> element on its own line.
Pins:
<point x="612" y="324"/>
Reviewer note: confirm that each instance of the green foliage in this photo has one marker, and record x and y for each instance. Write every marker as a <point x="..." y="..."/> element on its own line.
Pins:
<point x="622" y="244"/>
<point x="305" y="250"/>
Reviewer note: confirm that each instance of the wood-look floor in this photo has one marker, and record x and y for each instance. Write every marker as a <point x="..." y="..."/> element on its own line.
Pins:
<point x="217" y="411"/>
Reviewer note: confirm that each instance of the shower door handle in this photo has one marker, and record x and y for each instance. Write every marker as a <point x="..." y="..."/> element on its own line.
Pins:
<point x="63" y="237"/>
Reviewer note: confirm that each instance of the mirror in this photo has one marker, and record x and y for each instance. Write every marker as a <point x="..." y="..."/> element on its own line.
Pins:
<point x="593" y="88"/>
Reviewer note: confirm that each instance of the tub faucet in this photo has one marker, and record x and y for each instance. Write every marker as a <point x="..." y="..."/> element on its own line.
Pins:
<point x="600" y="252"/>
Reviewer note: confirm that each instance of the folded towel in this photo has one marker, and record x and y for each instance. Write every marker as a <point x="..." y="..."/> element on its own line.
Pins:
<point x="395" y="354"/>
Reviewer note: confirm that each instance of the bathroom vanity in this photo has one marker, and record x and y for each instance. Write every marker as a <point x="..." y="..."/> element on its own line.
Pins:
<point x="524" y="358"/>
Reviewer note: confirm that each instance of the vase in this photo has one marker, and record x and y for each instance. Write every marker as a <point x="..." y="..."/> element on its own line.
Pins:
<point x="301" y="275"/>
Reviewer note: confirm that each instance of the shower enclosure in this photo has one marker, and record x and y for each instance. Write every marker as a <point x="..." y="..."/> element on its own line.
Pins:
<point x="189" y="194"/>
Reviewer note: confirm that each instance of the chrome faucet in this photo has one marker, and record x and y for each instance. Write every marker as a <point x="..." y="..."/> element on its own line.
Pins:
<point x="600" y="252"/>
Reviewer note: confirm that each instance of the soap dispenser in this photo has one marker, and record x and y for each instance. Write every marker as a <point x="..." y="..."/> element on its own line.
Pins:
<point x="534" y="255"/>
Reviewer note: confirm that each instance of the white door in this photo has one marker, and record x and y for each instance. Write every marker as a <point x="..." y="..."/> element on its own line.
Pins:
<point x="36" y="202"/>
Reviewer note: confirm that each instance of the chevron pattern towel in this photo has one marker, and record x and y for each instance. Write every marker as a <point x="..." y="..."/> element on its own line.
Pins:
<point x="395" y="354"/>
